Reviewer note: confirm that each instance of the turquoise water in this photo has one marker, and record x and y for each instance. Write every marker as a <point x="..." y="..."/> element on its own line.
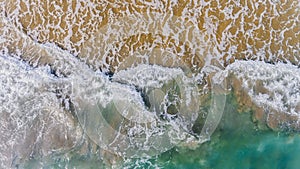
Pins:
<point x="237" y="150"/>
<point x="232" y="149"/>
<point x="237" y="143"/>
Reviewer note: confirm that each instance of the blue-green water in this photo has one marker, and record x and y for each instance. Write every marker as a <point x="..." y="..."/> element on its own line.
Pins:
<point x="232" y="149"/>
<point x="235" y="150"/>
<point x="237" y="143"/>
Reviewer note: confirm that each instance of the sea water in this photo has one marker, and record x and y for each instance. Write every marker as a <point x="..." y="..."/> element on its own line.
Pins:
<point x="236" y="143"/>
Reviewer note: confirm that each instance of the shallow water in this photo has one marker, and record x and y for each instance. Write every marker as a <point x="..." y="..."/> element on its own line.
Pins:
<point x="237" y="143"/>
<point x="234" y="150"/>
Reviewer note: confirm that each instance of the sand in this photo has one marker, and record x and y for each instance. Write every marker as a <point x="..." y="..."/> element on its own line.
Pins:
<point x="268" y="31"/>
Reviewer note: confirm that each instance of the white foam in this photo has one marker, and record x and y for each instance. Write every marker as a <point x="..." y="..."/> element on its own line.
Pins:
<point x="30" y="111"/>
<point x="25" y="92"/>
<point x="282" y="82"/>
<point x="147" y="75"/>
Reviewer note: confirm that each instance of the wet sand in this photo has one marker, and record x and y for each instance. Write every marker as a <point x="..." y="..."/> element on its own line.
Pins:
<point x="268" y="31"/>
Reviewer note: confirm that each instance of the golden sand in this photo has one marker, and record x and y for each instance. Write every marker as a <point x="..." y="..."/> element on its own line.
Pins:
<point x="268" y="30"/>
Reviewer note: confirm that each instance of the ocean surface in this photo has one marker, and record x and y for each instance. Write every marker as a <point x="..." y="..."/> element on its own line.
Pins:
<point x="237" y="141"/>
